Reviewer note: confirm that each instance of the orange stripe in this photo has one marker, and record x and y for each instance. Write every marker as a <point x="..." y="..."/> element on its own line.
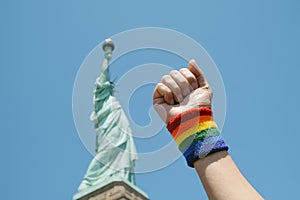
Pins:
<point x="195" y="129"/>
<point x="184" y="126"/>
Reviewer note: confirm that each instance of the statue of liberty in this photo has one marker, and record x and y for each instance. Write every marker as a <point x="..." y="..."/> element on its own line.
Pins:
<point x="115" y="150"/>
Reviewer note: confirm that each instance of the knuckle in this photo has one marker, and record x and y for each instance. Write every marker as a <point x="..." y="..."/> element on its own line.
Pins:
<point x="159" y="86"/>
<point x="191" y="79"/>
<point x="183" y="70"/>
<point x="165" y="78"/>
<point x="176" y="88"/>
<point x="182" y="82"/>
<point x="173" y="72"/>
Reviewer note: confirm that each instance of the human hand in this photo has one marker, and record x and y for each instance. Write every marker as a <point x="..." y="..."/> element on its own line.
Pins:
<point x="180" y="91"/>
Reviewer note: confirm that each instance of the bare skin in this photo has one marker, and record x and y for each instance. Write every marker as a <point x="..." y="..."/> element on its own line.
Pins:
<point x="186" y="89"/>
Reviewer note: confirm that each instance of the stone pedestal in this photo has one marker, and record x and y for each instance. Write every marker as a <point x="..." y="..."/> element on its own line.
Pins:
<point x="112" y="190"/>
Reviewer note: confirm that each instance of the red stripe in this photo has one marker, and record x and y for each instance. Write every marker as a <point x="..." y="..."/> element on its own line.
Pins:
<point x="183" y="127"/>
<point x="187" y="115"/>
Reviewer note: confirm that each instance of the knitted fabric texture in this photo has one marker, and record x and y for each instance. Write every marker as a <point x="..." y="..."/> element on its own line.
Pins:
<point x="196" y="134"/>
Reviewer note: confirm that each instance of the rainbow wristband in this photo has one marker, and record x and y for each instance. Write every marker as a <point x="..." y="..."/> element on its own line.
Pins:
<point x="196" y="134"/>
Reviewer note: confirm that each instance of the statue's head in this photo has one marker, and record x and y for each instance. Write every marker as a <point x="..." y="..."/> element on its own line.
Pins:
<point x="108" y="47"/>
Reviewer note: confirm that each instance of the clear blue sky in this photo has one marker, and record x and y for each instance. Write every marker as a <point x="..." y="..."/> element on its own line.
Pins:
<point x="255" y="45"/>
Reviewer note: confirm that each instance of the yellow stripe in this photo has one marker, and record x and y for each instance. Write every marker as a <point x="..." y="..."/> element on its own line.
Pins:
<point x="197" y="128"/>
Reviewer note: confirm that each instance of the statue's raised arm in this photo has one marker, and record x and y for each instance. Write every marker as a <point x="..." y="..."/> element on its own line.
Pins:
<point x="115" y="149"/>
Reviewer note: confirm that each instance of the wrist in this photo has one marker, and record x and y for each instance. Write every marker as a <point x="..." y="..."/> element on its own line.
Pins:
<point x="196" y="134"/>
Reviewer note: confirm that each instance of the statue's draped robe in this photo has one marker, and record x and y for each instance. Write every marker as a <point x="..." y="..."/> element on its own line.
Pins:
<point x="115" y="150"/>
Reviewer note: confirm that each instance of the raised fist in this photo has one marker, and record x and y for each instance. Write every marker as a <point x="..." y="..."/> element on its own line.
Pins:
<point x="180" y="91"/>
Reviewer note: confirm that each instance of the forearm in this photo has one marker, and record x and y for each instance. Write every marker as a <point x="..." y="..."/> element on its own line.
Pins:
<point x="197" y="135"/>
<point x="222" y="179"/>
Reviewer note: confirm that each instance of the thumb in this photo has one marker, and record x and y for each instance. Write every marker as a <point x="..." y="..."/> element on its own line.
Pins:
<point x="195" y="69"/>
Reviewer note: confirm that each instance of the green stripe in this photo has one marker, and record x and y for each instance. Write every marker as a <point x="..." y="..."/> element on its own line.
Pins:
<point x="186" y="143"/>
<point x="206" y="133"/>
<point x="198" y="136"/>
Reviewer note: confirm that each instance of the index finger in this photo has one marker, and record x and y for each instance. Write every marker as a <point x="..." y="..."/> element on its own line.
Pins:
<point x="162" y="94"/>
<point x="195" y="69"/>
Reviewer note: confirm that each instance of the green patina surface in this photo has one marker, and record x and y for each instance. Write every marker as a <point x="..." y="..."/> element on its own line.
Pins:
<point x="115" y="150"/>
